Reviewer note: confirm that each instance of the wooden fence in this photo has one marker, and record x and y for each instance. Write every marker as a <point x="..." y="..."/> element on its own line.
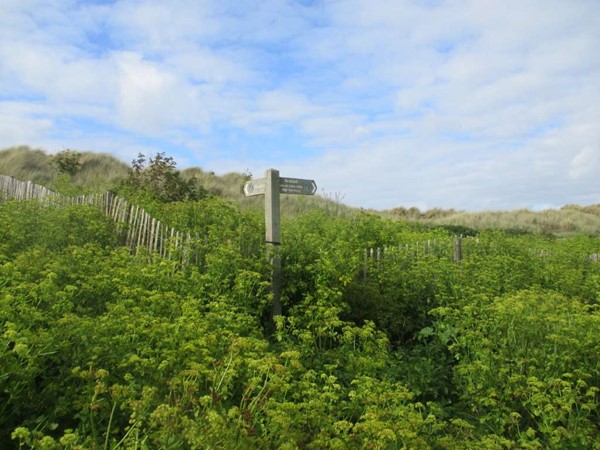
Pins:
<point x="142" y="232"/>
<point x="139" y="230"/>
<point x="13" y="189"/>
<point x="454" y="249"/>
<point x="451" y="248"/>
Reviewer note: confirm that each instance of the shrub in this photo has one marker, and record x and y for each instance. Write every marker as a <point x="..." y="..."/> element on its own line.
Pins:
<point x="160" y="180"/>
<point x="67" y="162"/>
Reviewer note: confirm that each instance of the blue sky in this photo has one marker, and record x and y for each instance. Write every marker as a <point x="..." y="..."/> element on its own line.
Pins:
<point x="471" y="105"/>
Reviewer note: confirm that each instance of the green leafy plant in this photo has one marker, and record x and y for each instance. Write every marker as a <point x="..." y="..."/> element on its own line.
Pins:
<point x="160" y="180"/>
<point x="67" y="162"/>
<point x="102" y="347"/>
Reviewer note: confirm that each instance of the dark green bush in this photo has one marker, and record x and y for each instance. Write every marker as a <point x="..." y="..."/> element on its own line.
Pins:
<point x="158" y="179"/>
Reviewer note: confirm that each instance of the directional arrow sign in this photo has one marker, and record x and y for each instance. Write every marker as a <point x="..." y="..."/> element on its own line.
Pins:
<point x="271" y="186"/>
<point x="297" y="186"/>
<point x="255" y="187"/>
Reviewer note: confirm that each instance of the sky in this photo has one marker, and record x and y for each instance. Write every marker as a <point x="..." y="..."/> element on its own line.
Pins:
<point x="465" y="104"/>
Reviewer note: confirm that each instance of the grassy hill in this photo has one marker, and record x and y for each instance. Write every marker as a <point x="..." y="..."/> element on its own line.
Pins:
<point x="97" y="171"/>
<point x="100" y="171"/>
<point x="568" y="220"/>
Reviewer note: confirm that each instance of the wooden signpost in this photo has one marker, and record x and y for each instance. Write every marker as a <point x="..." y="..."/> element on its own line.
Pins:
<point x="271" y="187"/>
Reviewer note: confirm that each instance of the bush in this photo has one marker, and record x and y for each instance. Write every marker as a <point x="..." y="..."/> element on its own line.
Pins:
<point x="527" y="366"/>
<point x="160" y="180"/>
<point x="67" y="162"/>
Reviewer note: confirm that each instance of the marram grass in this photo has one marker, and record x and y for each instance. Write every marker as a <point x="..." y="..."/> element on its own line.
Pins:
<point x="101" y="171"/>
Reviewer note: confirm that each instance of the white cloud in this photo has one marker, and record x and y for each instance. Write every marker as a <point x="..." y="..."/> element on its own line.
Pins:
<point x="283" y="106"/>
<point x="272" y="109"/>
<point x="155" y="26"/>
<point x="203" y="65"/>
<point x="335" y="129"/>
<point x="586" y="163"/>
<point x="150" y="98"/>
<point x="57" y="75"/>
<point x="459" y="104"/>
<point x="18" y="129"/>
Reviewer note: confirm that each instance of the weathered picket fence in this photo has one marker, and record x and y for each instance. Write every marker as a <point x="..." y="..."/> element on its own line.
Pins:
<point x="13" y="189"/>
<point x="142" y="232"/>
<point x="454" y="248"/>
<point x="451" y="248"/>
<point x="139" y="230"/>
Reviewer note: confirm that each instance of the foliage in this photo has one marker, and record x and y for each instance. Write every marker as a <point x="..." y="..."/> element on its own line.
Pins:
<point x="158" y="179"/>
<point x="104" y="172"/>
<point x="528" y="367"/>
<point x="67" y="162"/>
<point x="405" y="348"/>
<point x="31" y="224"/>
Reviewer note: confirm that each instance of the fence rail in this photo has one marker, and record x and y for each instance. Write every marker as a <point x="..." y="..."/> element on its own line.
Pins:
<point x="139" y="230"/>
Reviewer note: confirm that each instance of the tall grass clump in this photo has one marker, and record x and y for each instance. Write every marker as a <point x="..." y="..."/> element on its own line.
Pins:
<point x="29" y="164"/>
<point x="229" y="185"/>
<point x="100" y="169"/>
<point x="94" y="171"/>
<point x="565" y="221"/>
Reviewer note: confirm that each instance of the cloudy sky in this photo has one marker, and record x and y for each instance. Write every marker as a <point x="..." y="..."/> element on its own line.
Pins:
<point x="474" y="104"/>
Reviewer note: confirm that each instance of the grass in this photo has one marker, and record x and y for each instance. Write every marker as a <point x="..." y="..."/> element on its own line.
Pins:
<point x="25" y="163"/>
<point x="101" y="171"/>
<point x="568" y="220"/>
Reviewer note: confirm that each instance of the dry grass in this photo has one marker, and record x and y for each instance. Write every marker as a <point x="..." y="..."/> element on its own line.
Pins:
<point x="570" y="219"/>
<point x="26" y="163"/>
<point x="229" y="185"/>
<point x="101" y="171"/>
<point x="98" y="170"/>
<point x="566" y="221"/>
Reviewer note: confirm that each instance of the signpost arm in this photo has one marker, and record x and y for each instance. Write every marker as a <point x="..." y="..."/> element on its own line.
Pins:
<point x="271" y="186"/>
<point x="273" y="235"/>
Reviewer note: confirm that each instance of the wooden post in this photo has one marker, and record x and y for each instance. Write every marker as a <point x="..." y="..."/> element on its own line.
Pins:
<point x="272" y="210"/>
<point x="273" y="235"/>
<point x="458" y="255"/>
<point x="271" y="187"/>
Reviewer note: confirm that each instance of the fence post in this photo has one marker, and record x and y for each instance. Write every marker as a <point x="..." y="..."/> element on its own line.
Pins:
<point x="458" y="254"/>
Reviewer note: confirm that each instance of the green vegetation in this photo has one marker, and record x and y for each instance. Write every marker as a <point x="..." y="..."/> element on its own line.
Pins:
<point x="103" y="349"/>
<point x="85" y="170"/>
<point x="99" y="172"/>
<point x="67" y="162"/>
<point x="160" y="181"/>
